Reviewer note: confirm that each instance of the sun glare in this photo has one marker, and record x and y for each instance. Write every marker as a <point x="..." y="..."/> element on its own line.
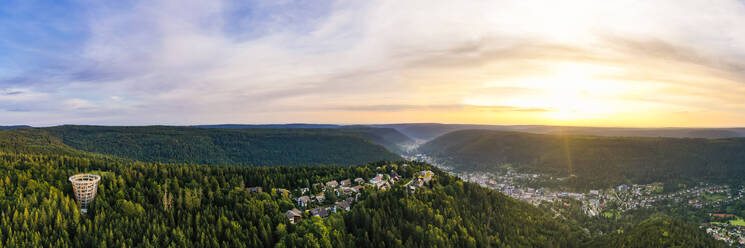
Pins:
<point x="569" y="93"/>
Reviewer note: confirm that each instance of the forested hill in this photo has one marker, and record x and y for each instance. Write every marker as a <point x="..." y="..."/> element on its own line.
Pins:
<point x="294" y="125"/>
<point x="142" y="204"/>
<point x="429" y="131"/>
<point x="595" y="161"/>
<point x="165" y="205"/>
<point x="268" y="147"/>
<point x="13" y="127"/>
<point x="390" y="138"/>
<point x="659" y="232"/>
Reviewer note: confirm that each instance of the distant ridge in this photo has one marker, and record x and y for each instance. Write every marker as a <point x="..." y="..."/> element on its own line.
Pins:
<point x="291" y="125"/>
<point x="429" y="131"/>
<point x="14" y="127"/>
<point x="596" y="161"/>
<point x="212" y="146"/>
<point x="390" y="138"/>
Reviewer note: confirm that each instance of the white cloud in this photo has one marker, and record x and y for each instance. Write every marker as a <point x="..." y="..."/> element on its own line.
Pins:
<point x="170" y="59"/>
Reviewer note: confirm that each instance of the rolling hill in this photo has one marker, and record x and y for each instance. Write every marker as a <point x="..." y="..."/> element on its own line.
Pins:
<point x="659" y="232"/>
<point x="291" y="125"/>
<point x="268" y="147"/>
<point x="154" y="204"/>
<point x="210" y="206"/>
<point x="594" y="161"/>
<point x="14" y="127"/>
<point x="181" y="205"/>
<point x="429" y="131"/>
<point x="390" y="138"/>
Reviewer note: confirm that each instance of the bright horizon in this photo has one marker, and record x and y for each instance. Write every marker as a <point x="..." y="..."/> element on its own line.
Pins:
<point x="569" y="63"/>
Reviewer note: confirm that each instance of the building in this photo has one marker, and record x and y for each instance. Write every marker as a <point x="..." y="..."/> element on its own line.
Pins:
<point x="284" y="192"/>
<point x="303" y="201"/>
<point x="359" y="181"/>
<point x="341" y="205"/>
<point x="320" y="198"/>
<point x="254" y="189"/>
<point x="385" y="186"/>
<point x="294" y="215"/>
<point x="346" y="183"/>
<point x="345" y="191"/>
<point x="426" y="175"/>
<point x="377" y="179"/>
<point x="332" y="184"/>
<point x="320" y="212"/>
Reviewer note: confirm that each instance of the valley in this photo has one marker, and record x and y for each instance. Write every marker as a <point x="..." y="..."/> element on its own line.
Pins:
<point x="376" y="204"/>
<point x="699" y="201"/>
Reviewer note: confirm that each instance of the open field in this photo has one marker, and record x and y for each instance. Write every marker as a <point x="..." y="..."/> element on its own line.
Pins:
<point x="738" y="222"/>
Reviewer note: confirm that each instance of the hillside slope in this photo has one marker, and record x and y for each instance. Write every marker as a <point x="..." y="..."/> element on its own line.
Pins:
<point x="595" y="161"/>
<point x="659" y="232"/>
<point x="429" y="131"/>
<point x="209" y="206"/>
<point x="14" y="127"/>
<point x="269" y="147"/>
<point x="390" y="138"/>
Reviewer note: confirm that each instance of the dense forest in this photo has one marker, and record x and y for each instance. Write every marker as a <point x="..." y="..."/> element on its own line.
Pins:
<point x="429" y="131"/>
<point x="593" y="161"/>
<point x="179" y="205"/>
<point x="14" y="127"/>
<point x="659" y="232"/>
<point x="271" y="147"/>
<point x="156" y="204"/>
<point x="390" y="138"/>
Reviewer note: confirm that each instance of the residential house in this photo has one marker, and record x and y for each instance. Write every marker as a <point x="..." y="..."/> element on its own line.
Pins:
<point x="346" y="183"/>
<point x="303" y="201"/>
<point x="426" y="175"/>
<point x="341" y="205"/>
<point x="320" y="211"/>
<point x="283" y="192"/>
<point x="294" y="215"/>
<point x="393" y="173"/>
<point x="320" y="198"/>
<point x="358" y="188"/>
<point x="384" y="186"/>
<point x="377" y="179"/>
<point x="346" y="190"/>
<point x="359" y="181"/>
<point x="332" y="184"/>
<point x="254" y="189"/>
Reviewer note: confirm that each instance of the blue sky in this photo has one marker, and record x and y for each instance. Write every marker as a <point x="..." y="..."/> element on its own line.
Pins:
<point x="580" y="62"/>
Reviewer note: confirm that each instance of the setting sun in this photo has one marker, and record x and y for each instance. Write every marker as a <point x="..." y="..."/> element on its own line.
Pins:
<point x="569" y="92"/>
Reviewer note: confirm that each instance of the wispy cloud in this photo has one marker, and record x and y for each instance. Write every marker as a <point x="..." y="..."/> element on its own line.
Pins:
<point x="189" y="61"/>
